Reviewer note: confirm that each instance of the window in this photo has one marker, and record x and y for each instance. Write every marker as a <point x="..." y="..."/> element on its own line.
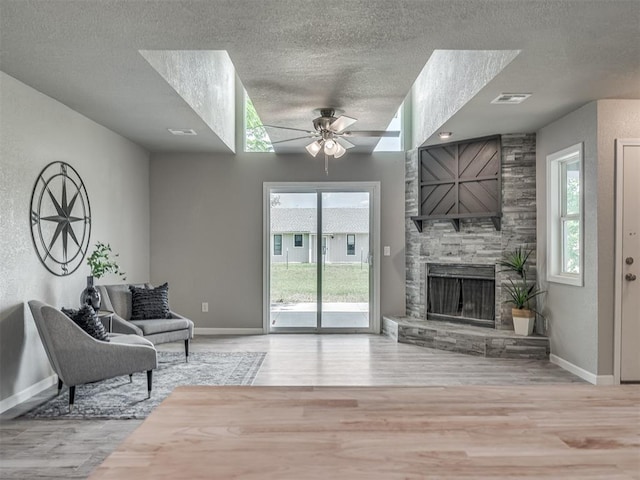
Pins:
<point x="256" y="137"/>
<point x="277" y="244"/>
<point x="564" y="222"/>
<point x="393" y="144"/>
<point x="297" y="240"/>
<point x="351" y="244"/>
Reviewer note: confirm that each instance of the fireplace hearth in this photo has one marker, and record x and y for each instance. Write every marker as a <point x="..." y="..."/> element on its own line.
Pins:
<point x="461" y="293"/>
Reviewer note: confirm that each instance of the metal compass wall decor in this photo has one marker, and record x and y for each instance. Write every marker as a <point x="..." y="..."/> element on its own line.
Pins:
<point x="60" y="218"/>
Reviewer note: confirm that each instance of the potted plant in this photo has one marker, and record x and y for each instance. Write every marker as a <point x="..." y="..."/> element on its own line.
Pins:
<point x="520" y="292"/>
<point x="100" y="262"/>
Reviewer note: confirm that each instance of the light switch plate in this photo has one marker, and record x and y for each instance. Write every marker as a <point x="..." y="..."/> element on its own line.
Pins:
<point x="386" y="250"/>
<point x="205" y="306"/>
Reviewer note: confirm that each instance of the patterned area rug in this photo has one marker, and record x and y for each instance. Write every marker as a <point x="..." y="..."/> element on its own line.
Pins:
<point x="118" y="399"/>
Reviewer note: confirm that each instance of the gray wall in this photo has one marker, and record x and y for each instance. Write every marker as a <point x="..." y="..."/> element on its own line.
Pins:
<point x="580" y="319"/>
<point x="34" y="131"/>
<point x="206" y="227"/>
<point x="571" y="311"/>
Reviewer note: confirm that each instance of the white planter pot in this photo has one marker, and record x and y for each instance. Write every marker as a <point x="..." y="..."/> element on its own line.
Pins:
<point x="523" y="321"/>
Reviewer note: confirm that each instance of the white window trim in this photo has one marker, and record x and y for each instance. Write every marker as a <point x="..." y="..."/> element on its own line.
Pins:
<point x="294" y="240"/>
<point x="555" y="216"/>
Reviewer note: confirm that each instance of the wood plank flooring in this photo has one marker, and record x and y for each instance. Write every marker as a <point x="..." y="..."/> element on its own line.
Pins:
<point x="57" y="449"/>
<point x="463" y="432"/>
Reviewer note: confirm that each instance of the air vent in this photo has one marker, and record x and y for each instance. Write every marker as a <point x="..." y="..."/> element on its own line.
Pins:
<point x="182" y="131"/>
<point x="511" y="98"/>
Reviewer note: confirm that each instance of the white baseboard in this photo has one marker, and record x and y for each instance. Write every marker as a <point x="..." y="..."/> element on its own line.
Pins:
<point x="27" y="393"/>
<point x="581" y="372"/>
<point x="228" y="331"/>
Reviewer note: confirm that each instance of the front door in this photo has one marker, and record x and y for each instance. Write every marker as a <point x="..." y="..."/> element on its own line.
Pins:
<point x="629" y="260"/>
<point x="327" y="283"/>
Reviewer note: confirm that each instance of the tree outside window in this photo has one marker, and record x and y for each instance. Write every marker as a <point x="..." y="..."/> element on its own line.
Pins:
<point x="257" y="139"/>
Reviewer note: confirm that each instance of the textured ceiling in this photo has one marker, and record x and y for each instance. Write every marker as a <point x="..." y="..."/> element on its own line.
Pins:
<point x="362" y="56"/>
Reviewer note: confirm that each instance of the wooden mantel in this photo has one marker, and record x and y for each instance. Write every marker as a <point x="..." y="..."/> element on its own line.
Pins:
<point x="496" y="218"/>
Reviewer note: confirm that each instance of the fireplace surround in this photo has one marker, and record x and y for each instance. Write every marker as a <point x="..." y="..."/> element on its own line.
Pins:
<point x="461" y="293"/>
<point x="477" y="242"/>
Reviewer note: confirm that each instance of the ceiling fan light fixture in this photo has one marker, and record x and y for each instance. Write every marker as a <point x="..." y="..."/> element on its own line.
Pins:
<point x="314" y="147"/>
<point x="330" y="147"/>
<point x="340" y="151"/>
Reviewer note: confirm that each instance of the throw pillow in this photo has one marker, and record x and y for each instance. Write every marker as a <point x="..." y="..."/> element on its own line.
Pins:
<point x="88" y="321"/>
<point x="150" y="303"/>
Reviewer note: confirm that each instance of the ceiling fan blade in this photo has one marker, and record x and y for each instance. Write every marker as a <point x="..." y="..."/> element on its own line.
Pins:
<point x="372" y="133"/>
<point x="340" y="123"/>
<point x="292" y="139"/>
<point x="345" y="143"/>
<point x="289" y="128"/>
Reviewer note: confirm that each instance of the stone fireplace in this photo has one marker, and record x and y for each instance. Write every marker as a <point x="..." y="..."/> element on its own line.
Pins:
<point x="477" y="242"/>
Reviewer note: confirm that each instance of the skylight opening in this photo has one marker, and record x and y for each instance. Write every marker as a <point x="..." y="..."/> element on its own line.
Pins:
<point x="256" y="137"/>
<point x="392" y="144"/>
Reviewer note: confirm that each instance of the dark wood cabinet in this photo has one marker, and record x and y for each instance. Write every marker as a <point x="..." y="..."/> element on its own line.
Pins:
<point x="460" y="180"/>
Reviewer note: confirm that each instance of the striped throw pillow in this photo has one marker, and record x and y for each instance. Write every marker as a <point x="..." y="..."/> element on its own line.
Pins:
<point x="150" y="303"/>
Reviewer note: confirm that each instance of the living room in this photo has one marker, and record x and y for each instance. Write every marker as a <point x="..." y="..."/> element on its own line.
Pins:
<point x="189" y="210"/>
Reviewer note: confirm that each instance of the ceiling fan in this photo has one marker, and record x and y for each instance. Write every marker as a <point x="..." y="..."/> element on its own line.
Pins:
<point x="330" y="133"/>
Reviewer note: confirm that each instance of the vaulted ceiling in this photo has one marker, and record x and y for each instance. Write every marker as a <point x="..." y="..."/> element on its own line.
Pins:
<point x="361" y="56"/>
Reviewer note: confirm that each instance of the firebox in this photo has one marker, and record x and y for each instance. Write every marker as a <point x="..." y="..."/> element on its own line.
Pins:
<point x="461" y="293"/>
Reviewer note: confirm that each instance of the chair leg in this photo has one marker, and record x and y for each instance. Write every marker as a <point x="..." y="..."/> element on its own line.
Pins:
<point x="149" y="382"/>
<point x="59" y="385"/>
<point x="72" y="397"/>
<point x="186" y="349"/>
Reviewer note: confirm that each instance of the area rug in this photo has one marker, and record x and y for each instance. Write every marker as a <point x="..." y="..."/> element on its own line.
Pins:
<point x="118" y="399"/>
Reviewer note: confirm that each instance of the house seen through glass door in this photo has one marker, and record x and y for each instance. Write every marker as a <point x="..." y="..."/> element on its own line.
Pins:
<point x="320" y="276"/>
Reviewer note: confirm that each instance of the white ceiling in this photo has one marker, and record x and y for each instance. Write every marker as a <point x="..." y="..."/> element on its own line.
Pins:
<point x="361" y="56"/>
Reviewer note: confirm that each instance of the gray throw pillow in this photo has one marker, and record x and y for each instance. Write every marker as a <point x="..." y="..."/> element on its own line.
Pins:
<point x="150" y="303"/>
<point x="88" y="321"/>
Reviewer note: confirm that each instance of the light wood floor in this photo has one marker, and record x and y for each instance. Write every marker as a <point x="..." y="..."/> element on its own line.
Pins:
<point x="556" y="431"/>
<point x="39" y="449"/>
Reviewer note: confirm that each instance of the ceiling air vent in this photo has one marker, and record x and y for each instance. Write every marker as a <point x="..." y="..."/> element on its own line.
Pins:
<point x="182" y="131"/>
<point x="510" y="98"/>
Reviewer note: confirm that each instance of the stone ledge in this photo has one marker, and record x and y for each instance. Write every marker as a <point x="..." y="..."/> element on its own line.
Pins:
<point x="480" y="341"/>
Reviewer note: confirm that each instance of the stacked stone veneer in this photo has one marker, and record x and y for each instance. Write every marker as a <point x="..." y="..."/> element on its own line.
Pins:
<point x="477" y="242"/>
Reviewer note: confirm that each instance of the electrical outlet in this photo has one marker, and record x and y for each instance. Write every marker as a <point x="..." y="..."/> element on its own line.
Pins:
<point x="205" y="306"/>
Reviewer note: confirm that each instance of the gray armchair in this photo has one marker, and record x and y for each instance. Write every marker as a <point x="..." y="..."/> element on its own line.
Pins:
<point x="77" y="357"/>
<point x="117" y="298"/>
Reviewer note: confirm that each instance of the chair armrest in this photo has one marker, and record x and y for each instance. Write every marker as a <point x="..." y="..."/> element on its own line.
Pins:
<point x="191" y="325"/>
<point x="120" y="325"/>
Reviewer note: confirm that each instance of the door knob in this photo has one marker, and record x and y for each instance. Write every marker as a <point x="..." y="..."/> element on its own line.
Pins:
<point x="630" y="277"/>
<point x="628" y="260"/>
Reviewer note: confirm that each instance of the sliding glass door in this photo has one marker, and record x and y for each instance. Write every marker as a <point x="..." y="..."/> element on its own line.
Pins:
<point x="320" y="254"/>
<point x="345" y="272"/>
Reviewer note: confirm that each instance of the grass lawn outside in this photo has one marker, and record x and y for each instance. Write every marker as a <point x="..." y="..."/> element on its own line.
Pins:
<point x="341" y="282"/>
